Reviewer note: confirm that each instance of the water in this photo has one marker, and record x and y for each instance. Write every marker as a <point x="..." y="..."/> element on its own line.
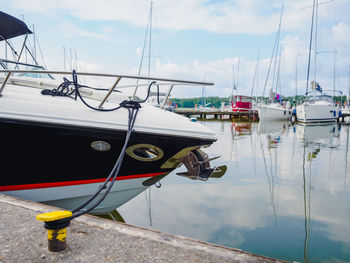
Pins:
<point x="285" y="193"/>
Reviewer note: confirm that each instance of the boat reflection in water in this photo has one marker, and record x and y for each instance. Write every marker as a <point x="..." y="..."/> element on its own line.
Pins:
<point x="285" y="193"/>
<point x="313" y="138"/>
<point x="241" y="128"/>
<point x="273" y="131"/>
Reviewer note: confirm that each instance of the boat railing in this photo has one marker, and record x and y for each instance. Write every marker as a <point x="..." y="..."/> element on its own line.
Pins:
<point x="118" y="77"/>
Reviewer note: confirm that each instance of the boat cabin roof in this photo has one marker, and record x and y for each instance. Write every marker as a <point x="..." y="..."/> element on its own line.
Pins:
<point x="11" y="27"/>
<point x="243" y="96"/>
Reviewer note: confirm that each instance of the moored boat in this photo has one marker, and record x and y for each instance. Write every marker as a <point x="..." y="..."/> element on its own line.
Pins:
<point x="241" y="103"/>
<point x="274" y="111"/>
<point x="63" y="141"/>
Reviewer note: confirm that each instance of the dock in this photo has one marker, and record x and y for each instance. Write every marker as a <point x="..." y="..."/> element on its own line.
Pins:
<point x="218" y="114"/>
<point x="94" y="239"/>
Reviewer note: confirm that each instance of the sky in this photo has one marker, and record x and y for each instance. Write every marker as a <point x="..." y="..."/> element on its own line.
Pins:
<point x="227" y="42"/>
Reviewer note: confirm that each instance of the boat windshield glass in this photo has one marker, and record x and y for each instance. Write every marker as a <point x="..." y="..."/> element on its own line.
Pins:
<point x="9" y="64"/>
<point x="321" y="98"/>
<point x="234" y="100"/>
<point x="246" y="99"/>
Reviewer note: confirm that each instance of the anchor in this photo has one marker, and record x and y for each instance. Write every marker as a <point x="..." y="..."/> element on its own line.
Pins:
<point x="198" y="166"/>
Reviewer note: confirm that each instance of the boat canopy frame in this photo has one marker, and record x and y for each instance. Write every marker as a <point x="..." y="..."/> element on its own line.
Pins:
<point x="12" y="27"/>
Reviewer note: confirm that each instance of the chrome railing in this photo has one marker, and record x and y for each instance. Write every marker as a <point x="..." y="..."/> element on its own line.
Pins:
<point x="165" y="81"/>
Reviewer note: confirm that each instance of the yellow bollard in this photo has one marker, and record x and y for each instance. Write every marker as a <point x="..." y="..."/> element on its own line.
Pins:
<point x="56" y="223"/>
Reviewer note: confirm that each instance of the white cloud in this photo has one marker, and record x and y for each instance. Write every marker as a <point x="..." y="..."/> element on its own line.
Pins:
<point x="249" y="17"/>
<point x="72" y="30"/>
<point x="253" y="17"/>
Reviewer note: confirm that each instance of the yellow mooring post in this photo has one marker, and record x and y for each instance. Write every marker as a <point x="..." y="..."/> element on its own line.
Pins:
<point x="56" y="224"/>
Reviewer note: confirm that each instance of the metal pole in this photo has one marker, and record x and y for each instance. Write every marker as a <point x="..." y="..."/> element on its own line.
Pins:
<point x="4" y="83"/>
<point x="109" y="92"/>
<point x="150" y="41"/>
<point x="107" y="75"/>
<point x="310" y="45"/>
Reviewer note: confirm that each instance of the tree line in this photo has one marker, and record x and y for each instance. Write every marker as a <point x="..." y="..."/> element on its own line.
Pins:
<point x="216" y="101"/>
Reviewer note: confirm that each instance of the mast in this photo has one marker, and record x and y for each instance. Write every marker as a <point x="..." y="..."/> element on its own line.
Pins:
<point x="335" y="57"/>
<point x="255" y="74"/>
<point x="233" y="81"/>
<point x="34" y="40"/>
<point x="64" y="58"/>
<point x="148" y="29"/>
<point x="150" y="41"/>
<point x="349" y="87"/>
<point x="310" y="45"/>
<point x="315" y="40"/>
<point x="273" y="51"/>
<point x="239" y="62"/>
<point x="296" y="77"/>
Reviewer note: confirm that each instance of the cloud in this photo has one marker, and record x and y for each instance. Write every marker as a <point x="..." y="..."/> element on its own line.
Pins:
<point x="249" y="16"/>
<point x="72" y="30"/>
<point x="254" y="17"/>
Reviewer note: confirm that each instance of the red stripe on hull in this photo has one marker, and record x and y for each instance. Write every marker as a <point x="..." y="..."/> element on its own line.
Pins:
<point x="69" y="183"/>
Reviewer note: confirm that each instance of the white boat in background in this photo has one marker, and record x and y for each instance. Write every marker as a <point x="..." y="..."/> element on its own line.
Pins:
<point x="274" y="111"/>
<point x="317" y="108"/>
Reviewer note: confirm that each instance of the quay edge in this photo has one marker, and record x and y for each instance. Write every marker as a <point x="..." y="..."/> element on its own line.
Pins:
<point x="94" y="239"/>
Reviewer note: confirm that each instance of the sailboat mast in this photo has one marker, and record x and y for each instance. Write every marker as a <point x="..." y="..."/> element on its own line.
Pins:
<point x="310" y="45"/>
<point x="273" y="52"/>
<point x="150" y="40"/>
<point x="233" y="80"/>
<point x="315" y="40"/>
<point x="349" y="87"/>
<point x="255" y="79"/>
<point x="143" y="51"/>
<point x="239" y="62"/>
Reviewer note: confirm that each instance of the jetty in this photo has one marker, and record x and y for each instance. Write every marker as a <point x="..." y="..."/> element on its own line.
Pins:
<point x="95" y="239"/>
<point x="218" y="114"/>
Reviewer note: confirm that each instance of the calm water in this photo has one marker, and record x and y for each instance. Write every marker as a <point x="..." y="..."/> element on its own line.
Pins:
<point x="285" y="193"/>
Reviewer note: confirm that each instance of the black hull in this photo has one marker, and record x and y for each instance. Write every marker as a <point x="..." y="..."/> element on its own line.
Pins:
<point x="42" y="153"/>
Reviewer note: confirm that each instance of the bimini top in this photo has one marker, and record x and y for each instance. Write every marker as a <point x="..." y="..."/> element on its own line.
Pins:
<point x="11" y="27"/>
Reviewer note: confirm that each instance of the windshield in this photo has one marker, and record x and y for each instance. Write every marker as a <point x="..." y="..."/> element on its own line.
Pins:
<point x="9" y="64"/>
<point x="321" y="98"/>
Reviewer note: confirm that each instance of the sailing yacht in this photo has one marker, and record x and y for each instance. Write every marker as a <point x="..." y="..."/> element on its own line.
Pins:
<point x="274" y="109"/>
<point x="318" y="107"/>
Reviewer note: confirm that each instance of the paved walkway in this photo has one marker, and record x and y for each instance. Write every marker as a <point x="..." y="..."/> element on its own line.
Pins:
<point x="93" y="239"/>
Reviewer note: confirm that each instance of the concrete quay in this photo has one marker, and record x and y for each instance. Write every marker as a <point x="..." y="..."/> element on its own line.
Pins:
<point x="94" y="239"/>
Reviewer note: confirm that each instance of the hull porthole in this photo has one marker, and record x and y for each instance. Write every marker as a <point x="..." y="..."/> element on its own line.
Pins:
<point x="100" y="146"/>
<point x="145" y="152"/>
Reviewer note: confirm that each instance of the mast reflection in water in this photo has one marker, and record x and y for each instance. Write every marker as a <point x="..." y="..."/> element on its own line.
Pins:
<point x="285" y="193"/>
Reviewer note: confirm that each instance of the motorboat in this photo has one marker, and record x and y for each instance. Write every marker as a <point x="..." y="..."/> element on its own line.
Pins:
<point x="63" y="142"/>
